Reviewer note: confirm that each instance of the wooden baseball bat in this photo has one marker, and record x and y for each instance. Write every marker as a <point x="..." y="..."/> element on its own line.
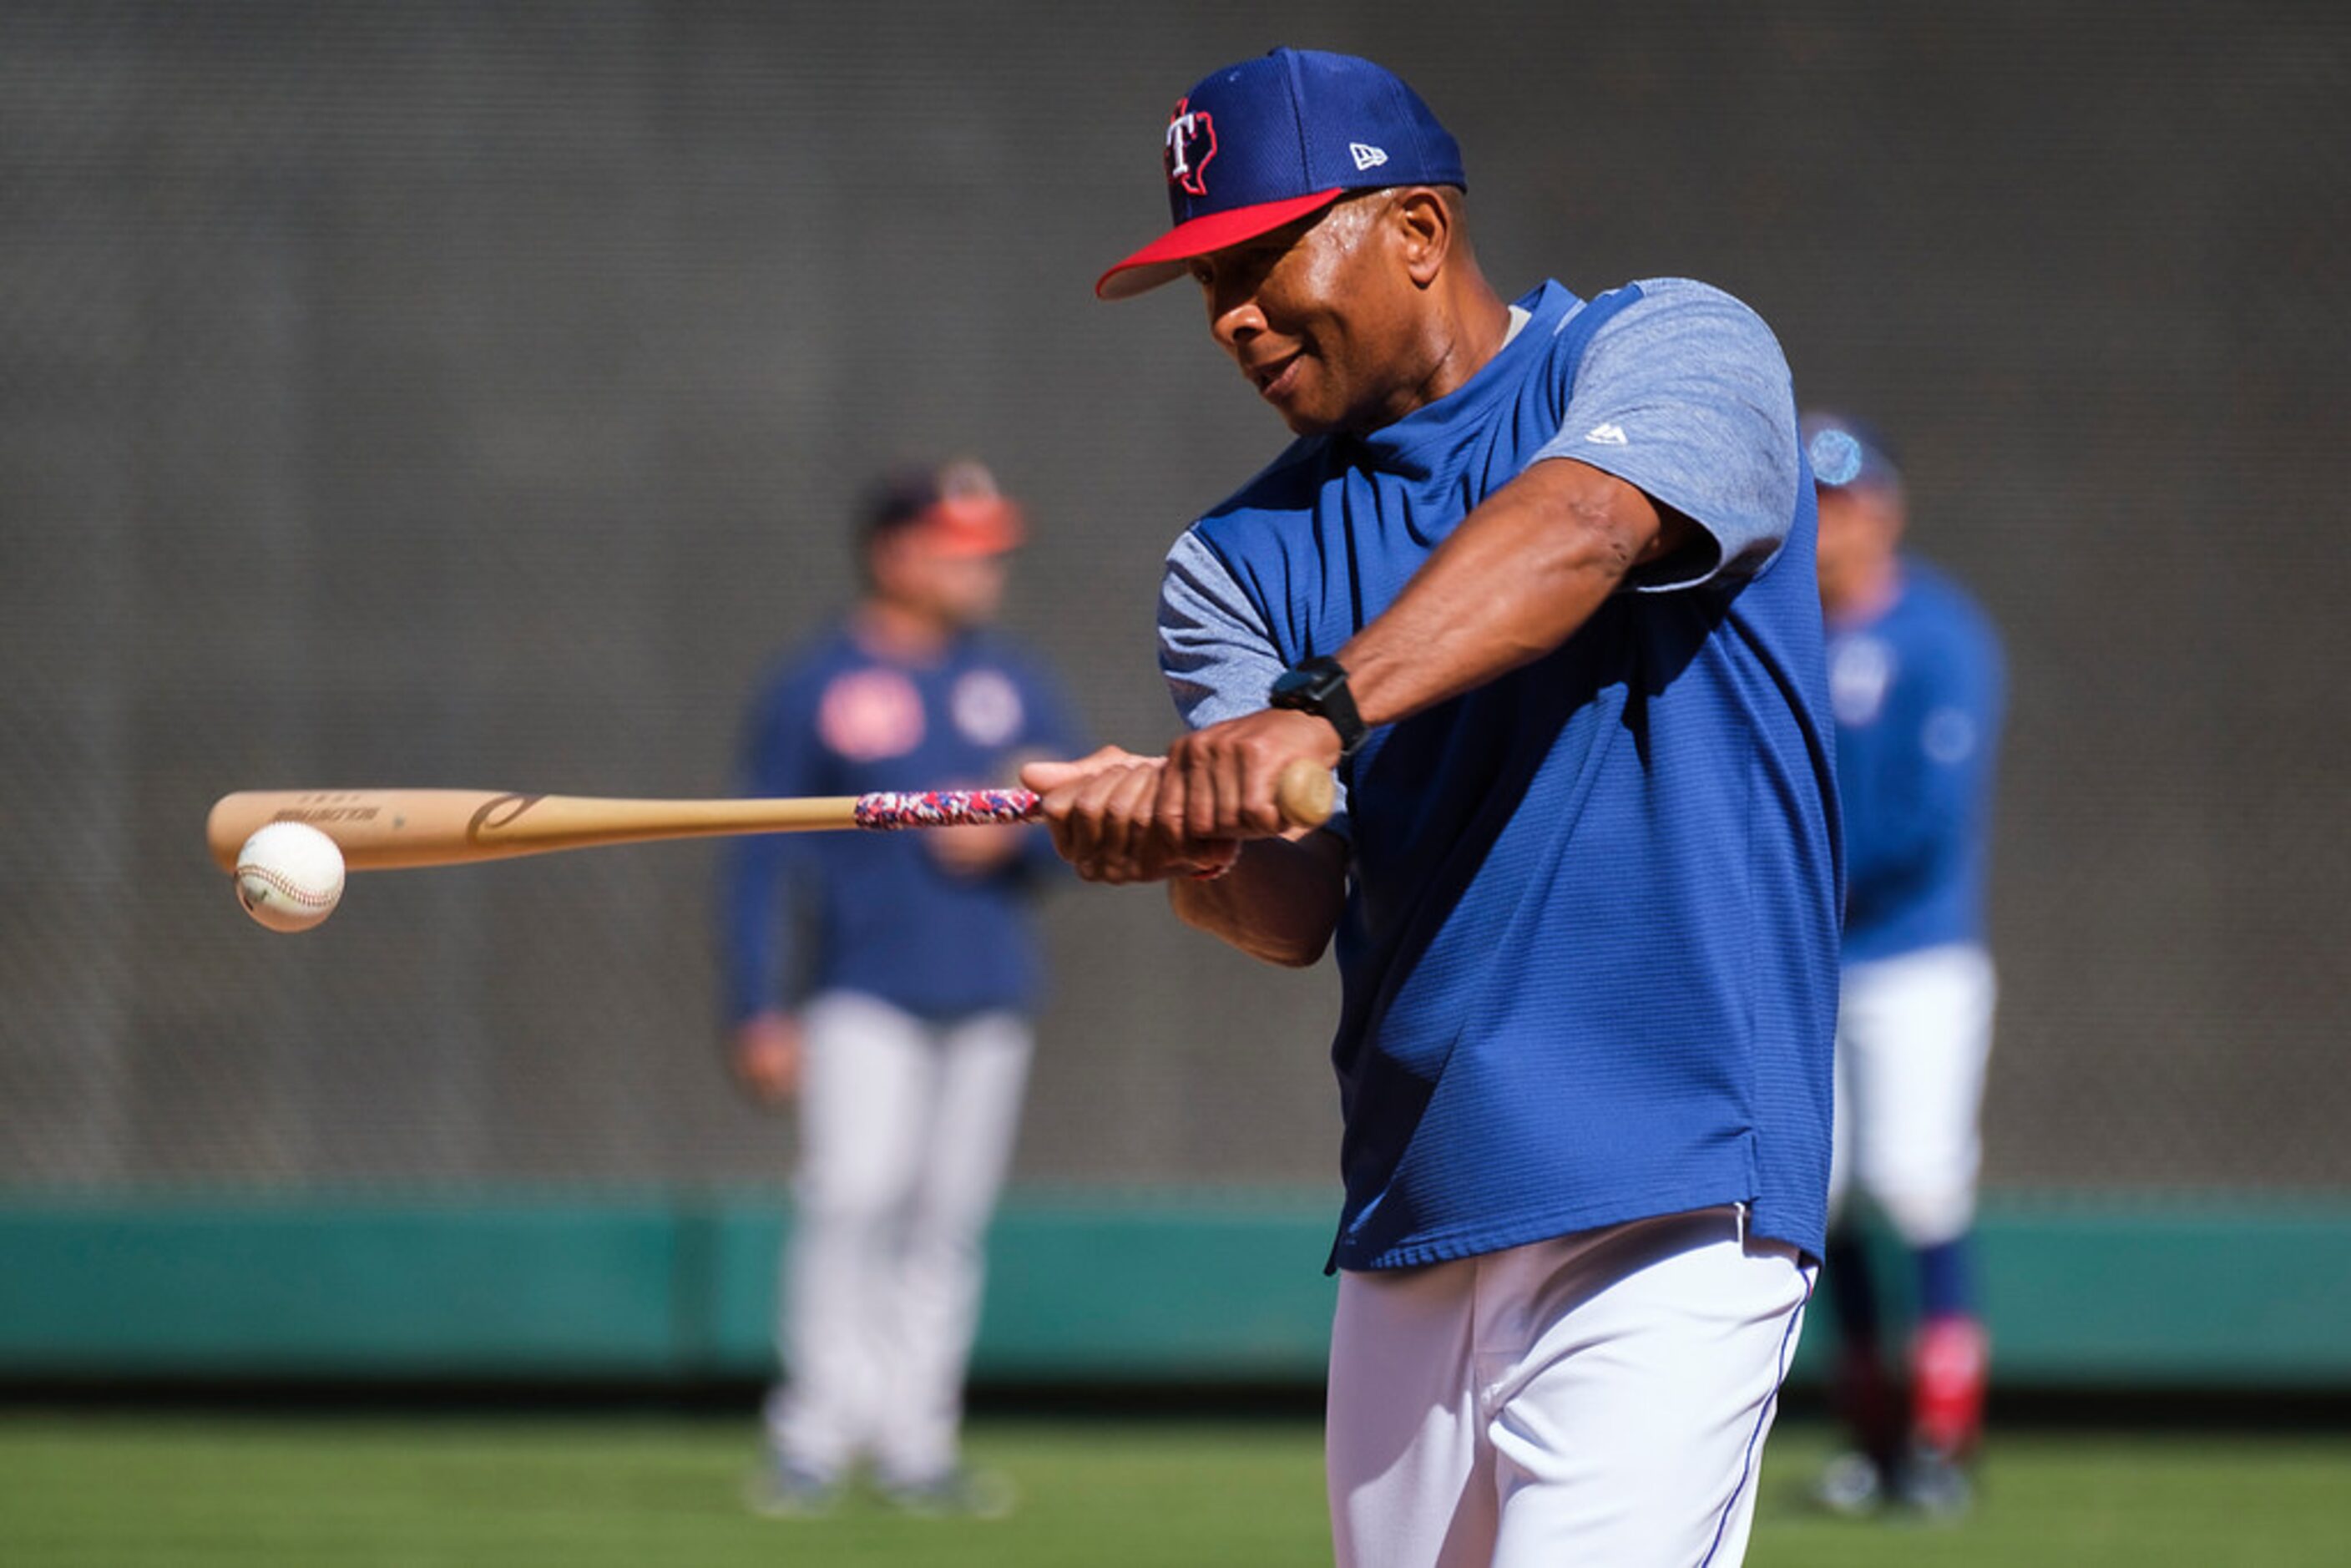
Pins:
<point x="388" y="830"/>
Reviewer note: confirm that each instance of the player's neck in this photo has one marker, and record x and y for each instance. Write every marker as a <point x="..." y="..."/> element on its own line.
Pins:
<point x="1473" y="323"/>
<point x="902" y="632"/>
<point x="1452" y="340"/>
<point x="1869" y="592"/>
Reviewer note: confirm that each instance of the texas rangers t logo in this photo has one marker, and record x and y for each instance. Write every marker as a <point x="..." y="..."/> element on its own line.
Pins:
<point x="1191" y="143"/>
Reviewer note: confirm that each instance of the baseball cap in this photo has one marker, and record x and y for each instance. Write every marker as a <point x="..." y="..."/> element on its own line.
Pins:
<point x="1847" y="452"/>
<point x="1259" y="144"/>
<point x="956" y="507"/>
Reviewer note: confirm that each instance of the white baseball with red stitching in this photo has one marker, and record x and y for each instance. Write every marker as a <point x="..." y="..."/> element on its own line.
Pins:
<point x="290" y="876"/>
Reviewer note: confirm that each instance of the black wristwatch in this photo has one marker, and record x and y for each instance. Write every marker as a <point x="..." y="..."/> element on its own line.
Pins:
<point x="1319" y="686"/>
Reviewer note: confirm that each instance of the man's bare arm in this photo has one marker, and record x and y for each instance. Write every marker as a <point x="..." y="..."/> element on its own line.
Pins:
<point x="1521" y="573"/>
<point x="1515" y="581"/>
<point x="1281" y="902"/>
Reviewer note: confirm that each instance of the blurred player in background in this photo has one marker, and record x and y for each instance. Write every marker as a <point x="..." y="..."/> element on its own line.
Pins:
<point x="1537" y="578"/>
<point x="1916" y="683"/>
<point x="917" y="957"/>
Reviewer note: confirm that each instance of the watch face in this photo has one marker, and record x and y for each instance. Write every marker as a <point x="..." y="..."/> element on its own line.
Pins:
<point x="1306" y="685"/>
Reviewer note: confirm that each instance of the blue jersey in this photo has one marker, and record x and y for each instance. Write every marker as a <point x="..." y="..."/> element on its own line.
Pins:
<point x="1917" y="692"/>
<point x="1589" y="947"/>
<point x="886" y="918"/>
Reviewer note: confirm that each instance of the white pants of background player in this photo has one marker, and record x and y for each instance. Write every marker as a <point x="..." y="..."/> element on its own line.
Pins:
<point x="1597" y="1400"/>
<point x="907" y="1127"/>
<point x="1914" y="1033"/>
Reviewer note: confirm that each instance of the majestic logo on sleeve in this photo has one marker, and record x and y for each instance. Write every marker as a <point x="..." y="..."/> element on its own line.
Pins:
<point x="1191" y="143"/>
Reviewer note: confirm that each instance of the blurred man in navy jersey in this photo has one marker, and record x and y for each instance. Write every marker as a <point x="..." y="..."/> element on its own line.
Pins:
<point x="887" y="982"/>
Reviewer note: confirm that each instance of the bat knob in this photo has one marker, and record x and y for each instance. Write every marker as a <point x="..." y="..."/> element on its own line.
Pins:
<point x="1306" y="794"/>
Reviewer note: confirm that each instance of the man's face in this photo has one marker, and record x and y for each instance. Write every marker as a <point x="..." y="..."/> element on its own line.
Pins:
<point x="1860" y="527"/>
<point x="1320" y="316"/>
<point x="954" y="590"/>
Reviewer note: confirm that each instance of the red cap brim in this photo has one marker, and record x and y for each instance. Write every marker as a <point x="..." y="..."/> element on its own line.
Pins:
<point x="969" y="525"/>
<point x="1163" y="260"/>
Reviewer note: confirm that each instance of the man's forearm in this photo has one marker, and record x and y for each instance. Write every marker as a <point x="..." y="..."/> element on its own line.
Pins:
<point x="1523" y="571"/>
<point x="1280" y="903"/>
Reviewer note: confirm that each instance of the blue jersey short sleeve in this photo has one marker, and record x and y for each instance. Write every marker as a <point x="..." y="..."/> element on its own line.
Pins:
<point x="1213" y="648"/>
<point x="1589" y="951"/>
<point x="764" y="877"/>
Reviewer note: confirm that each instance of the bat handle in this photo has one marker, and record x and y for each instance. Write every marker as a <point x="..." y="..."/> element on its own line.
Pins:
<point x="890" y="810"/>
<point x="1306" y="794"/>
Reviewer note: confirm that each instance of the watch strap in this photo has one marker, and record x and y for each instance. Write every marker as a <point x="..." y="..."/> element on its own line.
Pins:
<point x="1319" y="686"/>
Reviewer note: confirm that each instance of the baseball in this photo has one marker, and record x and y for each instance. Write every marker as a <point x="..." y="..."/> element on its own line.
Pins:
<point x="290" y="876"/>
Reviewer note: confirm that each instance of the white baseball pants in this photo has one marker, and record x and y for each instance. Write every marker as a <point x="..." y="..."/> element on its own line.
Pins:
<point x="1914" y="1034"/>
<point x="1597" y="1400"/>
<point x="906" y="1128"/>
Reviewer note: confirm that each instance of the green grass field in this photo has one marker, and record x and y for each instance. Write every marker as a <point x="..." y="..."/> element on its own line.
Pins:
<point x="128" y="1491"/>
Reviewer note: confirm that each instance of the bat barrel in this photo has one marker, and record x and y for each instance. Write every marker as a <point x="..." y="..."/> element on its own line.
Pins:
<point x="389" y="829"/>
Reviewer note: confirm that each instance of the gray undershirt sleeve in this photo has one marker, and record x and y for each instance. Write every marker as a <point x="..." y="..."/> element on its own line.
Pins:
<point x="1686" y="395"/>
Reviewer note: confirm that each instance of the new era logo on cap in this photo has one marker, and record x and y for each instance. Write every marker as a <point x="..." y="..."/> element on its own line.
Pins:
<point x="1289" y="133"/>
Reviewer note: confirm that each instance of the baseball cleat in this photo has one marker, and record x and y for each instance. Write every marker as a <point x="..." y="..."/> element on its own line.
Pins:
<point x="1933" y="1484"/>
<point x="1852" y="1484"/>
<point x="960" y="1493"/>
<point x="785" y="1489"/>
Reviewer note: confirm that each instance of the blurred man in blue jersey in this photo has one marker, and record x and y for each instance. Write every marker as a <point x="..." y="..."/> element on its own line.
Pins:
<point x="1914" y="681"/>
<point x="887" y="981"/>
<point x="1536" y="576"/>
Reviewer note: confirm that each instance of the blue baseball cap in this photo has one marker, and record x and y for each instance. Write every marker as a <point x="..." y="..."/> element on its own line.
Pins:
<point x="1847" y="452"/>
<point x="1267" y="141"/>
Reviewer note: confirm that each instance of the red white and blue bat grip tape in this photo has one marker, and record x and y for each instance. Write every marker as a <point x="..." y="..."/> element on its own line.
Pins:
<point x="887" y="812"/>
<point x="890" y="811"/>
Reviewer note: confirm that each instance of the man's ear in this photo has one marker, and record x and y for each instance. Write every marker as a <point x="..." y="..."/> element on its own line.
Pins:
<point x="1424" y="226"/>
<point x="1897" y="513"/>
<point x="885" y="560"/>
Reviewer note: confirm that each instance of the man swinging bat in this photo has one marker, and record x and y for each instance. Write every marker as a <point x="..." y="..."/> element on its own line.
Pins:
<point x="1537" y="578"/>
